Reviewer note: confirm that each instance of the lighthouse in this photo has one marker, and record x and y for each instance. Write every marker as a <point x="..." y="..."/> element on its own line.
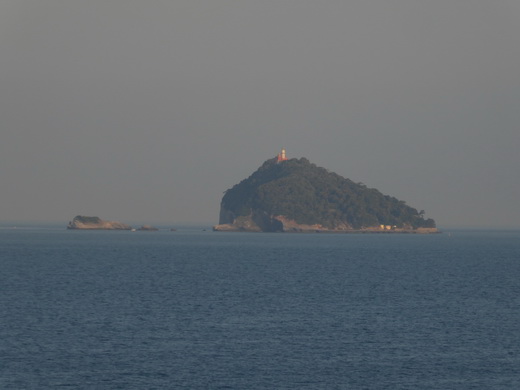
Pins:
<point x="281" y="156"/>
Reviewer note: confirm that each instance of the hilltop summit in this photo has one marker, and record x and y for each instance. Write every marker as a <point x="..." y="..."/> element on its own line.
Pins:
<point x="296" y="195"/>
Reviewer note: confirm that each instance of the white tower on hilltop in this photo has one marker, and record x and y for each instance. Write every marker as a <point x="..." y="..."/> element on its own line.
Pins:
<point x="282" y="156"/>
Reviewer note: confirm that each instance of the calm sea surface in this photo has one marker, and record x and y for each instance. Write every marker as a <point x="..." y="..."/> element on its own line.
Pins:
<point x="206" y="310"/>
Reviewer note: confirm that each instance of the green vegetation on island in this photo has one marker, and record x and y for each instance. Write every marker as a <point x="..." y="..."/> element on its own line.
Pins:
<point x="90" y="223"/>
<point x="295" y="193"/>
<point x="81" y="222"/>
<point x="87" y="220"/>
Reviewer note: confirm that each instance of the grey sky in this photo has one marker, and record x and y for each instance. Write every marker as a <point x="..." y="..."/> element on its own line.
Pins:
<point x="148" y="110"/>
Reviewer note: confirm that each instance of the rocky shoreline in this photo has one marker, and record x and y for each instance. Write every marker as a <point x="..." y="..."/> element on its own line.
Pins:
<point x="81" y="222"/>
<point x="285" y="225"/>
<point x="96" y="223"/>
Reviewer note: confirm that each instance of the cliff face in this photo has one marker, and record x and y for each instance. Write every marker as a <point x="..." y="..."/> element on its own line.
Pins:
<point x="278" y="223"/>
<point x="83" y="222"/>
<point x="297" y="196"/>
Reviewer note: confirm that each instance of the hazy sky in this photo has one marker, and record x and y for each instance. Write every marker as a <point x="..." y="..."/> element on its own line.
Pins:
<point x="148" y="111"/>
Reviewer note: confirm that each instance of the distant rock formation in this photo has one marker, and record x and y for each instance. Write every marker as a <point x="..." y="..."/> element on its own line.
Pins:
<point x="95" y="223"/>
<point x="294" y="195"/>
<point x="148" y="228"/>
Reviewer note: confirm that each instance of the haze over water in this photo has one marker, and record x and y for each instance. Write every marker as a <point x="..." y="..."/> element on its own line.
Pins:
<point x="148" y="112"/>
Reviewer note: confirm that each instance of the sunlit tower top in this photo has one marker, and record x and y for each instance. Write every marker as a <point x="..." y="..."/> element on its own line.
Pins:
<point x="281" y="156"/>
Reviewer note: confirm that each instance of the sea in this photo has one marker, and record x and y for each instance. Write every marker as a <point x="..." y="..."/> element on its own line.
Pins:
<point x="197" y="309"/>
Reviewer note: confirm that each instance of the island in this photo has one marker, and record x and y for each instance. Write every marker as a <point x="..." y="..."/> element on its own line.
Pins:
<point x="294" y="195"/>
<point x="95" y="223"/>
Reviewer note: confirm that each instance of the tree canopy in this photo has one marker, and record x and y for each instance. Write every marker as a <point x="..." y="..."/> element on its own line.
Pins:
<point x="308" y="194"/>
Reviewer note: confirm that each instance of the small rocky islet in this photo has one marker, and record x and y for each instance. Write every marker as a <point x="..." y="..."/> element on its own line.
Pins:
<point x="81" y="222"/>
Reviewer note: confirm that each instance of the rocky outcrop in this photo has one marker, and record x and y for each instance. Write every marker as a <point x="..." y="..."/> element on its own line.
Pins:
<point x="255" y="222"/>
<point x="260" y="222"/>
<point x="280" y="223"/>
<point x="148" y="228"/>
<point x="95" y="223"/>
<point x="289" y="225"/>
